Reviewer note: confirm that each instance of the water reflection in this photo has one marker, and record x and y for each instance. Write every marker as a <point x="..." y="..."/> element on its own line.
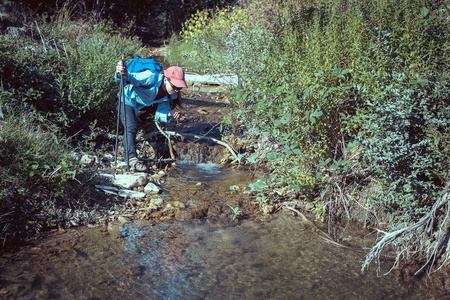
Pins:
<point x="275" y="260"/>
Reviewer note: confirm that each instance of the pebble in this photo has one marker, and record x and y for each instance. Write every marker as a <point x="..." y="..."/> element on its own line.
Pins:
<point x="179" y="204"/>
<point x="267" y="209"/>
<point x="123" y="219"/>
<point x="158" y="202"/>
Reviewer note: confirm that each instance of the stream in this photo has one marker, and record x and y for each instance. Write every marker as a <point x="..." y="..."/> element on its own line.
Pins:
<point x="272" y="257"/>
<point x="203" y="251"/>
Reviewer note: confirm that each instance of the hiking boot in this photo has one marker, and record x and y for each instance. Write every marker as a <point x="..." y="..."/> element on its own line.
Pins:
<point x="137" y="165"/>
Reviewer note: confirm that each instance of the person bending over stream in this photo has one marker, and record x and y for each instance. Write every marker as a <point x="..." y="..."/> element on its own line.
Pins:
<point x="155" y="91"/>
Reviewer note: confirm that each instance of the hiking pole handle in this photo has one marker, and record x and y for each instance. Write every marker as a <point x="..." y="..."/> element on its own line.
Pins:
<point x="124" y="73"/>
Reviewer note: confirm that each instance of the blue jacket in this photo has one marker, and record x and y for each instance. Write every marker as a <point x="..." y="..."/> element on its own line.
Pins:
<point x="142" y="90"/>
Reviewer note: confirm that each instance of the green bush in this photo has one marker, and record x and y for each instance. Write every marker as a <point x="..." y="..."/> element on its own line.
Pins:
<point x="86" y="86"/>
<point x="26" y="85"/>
<point x="403" y="154"/>
<point x="35" y="165"/>
<point x="68" y="78"/>
<point x="321" y="77"/>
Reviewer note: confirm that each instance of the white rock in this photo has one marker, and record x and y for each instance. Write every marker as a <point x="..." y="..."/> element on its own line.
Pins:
<point x="149" y="207"/>
<point x="168" y="207"/>
<point x="151" y="188"/>
<point x="129" y="181"/>
<point x="179" y="204"/>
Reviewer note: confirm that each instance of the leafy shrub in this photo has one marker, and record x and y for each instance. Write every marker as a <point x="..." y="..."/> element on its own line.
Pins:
<point x="25" y="83"/>
<point x="220" y="40"/>
<point x="86" y="86"/>
<point x="35" y="165"/>
<point x="308" y="70"/>
<point x="406" y="128"/>
<point x="65" y="72"/>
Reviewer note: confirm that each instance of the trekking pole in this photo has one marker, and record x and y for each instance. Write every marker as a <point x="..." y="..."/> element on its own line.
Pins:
<point x="122" y="101"/>
<point x="125" y="133"/>
<point x="117" y="129"/>
<point x="121" y="107"/>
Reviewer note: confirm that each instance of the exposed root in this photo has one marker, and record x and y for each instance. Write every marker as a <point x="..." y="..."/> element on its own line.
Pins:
<point x="199" y="137"/>
<point x="168" y="134"/>
<point x="168" y="140"/>
<point x="427" y="238"/>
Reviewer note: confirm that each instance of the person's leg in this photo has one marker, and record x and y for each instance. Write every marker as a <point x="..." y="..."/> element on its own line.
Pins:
<point x="131" y="127"/>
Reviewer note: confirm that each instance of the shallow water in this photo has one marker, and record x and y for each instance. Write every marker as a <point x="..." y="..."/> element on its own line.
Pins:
<point x="279" y="259"/>
<point x="275" y="258"/>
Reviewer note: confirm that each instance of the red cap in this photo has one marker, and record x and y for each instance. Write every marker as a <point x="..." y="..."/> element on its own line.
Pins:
<point x="176" y="75"/>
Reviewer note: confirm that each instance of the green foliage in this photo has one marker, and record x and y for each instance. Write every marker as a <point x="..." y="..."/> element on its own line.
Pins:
<point x="35" y="164"/>
<point x="30" y="154"/>
<point x="86" y="85"/>
<point x="405" y="129"/>
<point x="323" y="77"/>
<point x="25" y="83"/>
<point x="220" y="41"/>
<point x="235" y="213"/>
<point x="68" y="80"/>
<point x="57" y="78"/>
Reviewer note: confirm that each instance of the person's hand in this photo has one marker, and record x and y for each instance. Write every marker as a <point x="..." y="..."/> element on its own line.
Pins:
<point x="120" y="68"/>
<point x="177" y="115"/>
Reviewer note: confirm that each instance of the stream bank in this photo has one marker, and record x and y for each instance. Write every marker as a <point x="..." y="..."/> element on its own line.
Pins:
<point x="91" y="206"/>
<point x="176" y="240"/>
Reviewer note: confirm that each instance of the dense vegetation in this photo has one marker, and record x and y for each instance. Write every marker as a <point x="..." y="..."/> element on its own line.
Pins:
<point x="351" y="98"/>
<point x="153" y="19"/>
<point x="55" y="82"/>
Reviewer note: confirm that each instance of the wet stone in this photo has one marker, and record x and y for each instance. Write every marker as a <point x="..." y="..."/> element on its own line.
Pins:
<point x="151" y="188"/>
<point x="123" y="219"/>
<point x="131" y="194"/>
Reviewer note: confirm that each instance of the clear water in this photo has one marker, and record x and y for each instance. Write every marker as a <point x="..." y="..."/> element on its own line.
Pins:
<point x="278" y="258"/>
<point x="201" y="171"/>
